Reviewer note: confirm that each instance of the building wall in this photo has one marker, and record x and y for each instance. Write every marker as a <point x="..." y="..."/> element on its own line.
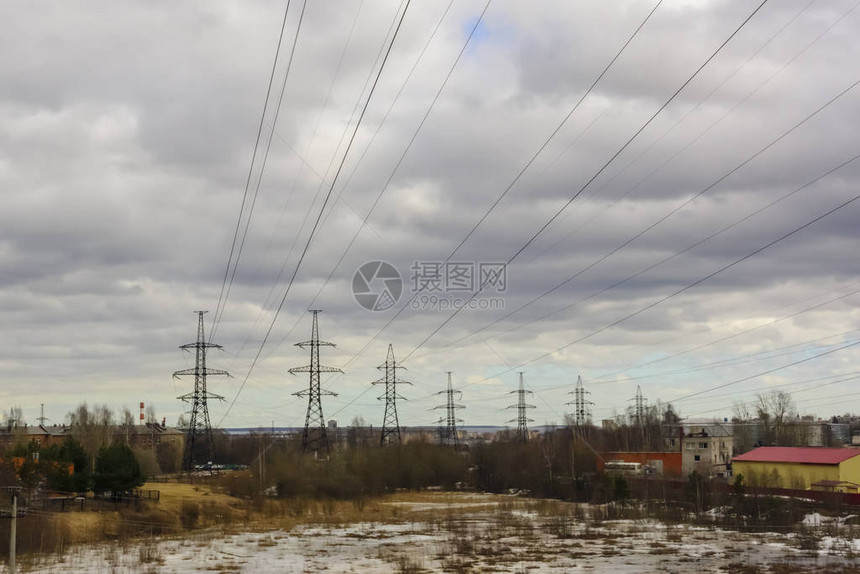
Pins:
<point x="714" y="454"/>
<point x="849" y="470"/>
<point x="793" y="475"/>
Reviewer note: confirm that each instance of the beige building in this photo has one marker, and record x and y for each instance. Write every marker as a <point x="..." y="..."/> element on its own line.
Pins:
<point x="707" y="449"/>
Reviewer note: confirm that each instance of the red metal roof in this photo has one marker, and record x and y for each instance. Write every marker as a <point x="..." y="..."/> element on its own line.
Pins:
<point x="801" y="455"/>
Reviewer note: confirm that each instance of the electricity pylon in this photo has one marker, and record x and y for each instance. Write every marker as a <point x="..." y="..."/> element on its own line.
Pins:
<point x="522" y="419"/>
<point x="447" y="434"/>
<point x="639" y="408"/>
<point x="390" y="424"/>
<point x="581" y="414"/>
<point x="199" y="443"/>
<point x="314" y="436"/>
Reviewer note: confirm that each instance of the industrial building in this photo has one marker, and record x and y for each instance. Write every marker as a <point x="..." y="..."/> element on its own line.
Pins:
<point x="800" y="467"/>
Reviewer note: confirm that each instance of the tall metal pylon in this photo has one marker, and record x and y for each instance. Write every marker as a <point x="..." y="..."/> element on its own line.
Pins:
<point x="42" y="418"/>
<point x="314" y="438"/>
<point x="390" y="424"/>
<point x="522" y="419"/>
<point x="581" y="411"/>
<point x="448" y="435"/>
<point x="199" y="443"/>
<point x="639" y="407"/>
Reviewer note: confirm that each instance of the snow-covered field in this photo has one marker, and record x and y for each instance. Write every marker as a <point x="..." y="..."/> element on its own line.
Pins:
<point x="475" y="538"/>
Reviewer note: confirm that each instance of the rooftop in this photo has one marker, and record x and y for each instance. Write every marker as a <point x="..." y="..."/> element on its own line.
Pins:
<point x="800" y="455"/>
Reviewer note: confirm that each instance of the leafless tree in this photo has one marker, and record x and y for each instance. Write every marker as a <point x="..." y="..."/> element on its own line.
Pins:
<point x="91" y="427"/>
<point x="16" y="417"/>
<point x="775" y="410"/>
<point x="150" y="415"/>
<point x="126" y="424"/>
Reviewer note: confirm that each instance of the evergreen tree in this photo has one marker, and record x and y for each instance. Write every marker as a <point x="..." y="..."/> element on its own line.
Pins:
<point x="117" y="470"/>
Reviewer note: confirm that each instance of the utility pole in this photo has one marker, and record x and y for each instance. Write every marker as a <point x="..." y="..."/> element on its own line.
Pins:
<point x="448" y="435"/>
<point x="13" y="527"/>
<point x="314" y="436"/>
<point x="522" y="419"/>
<point x="390" y="424"/>
<point x="581" y="414"/>
<point x="199" y="442"/>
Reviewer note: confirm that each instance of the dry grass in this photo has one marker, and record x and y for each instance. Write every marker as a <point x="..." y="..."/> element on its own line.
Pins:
<point x="174" y="494"/>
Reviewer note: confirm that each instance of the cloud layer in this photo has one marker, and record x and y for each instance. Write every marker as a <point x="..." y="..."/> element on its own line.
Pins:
<point x="126" y="139"/>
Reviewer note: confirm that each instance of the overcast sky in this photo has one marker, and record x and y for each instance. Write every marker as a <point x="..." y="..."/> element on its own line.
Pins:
<point x="127" y="131"/>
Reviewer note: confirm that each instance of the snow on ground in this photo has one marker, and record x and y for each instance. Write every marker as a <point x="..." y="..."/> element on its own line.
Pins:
<point x="478" y="540"/>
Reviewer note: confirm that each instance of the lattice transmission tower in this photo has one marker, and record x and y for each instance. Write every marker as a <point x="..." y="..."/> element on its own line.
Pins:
<point x="199" y="443"/>
<point x="447" y="434"/>
<point x="314" y="438"/>
<point x="522" y="407"/>
<point x="581" y="405"/>
<point x="390" y="424"/>
<point x="639" y="407"/>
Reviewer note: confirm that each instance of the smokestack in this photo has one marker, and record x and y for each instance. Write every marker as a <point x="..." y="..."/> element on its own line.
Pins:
<point x="142" y="418"/>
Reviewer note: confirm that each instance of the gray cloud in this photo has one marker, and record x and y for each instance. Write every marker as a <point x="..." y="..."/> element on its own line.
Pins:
<point x="126" y="134"/>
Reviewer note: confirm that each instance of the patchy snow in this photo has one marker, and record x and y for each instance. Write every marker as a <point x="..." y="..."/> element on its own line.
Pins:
<point x="497" y="540"/>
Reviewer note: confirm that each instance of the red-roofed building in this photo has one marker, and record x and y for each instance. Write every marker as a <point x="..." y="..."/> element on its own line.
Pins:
<point x="797" y="467"/>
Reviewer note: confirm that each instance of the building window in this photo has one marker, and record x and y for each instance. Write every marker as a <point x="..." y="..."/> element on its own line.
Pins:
<point x="697" y="458"/>
<point x="703" y="445"/>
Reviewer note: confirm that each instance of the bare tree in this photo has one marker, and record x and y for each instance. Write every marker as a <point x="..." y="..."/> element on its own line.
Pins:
<point x="741" y="412"/>
<point x="126" y="424"/>
<point x="775" y="410"/>
<point x="150" y="414"/>
<point x="91" y="428"/>
<point x="16" y="417"/>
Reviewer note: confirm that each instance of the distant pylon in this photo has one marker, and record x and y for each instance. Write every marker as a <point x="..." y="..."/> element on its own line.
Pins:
<point x="42" y="418"/>
<point x="314" y="435"/>
<point x="639" y="407"/>
<point x="390" y="424"/>
<point x="448" y="435"/>
<point x="199" y="443"/>
<point x="581" y="414"/>
<point x="522" y="419"/>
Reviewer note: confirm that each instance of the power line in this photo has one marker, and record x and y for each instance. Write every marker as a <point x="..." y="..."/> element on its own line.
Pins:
<point x="516" y="179"/>
<point x="253" y="157"/>
<point x="599" y="171"/>
<point x="767" y="372"/>
<point x="322" y="209"/>
<point x="732" y="336"/>
<point x="735" y="361"/>
<point x="759" y="390"/>
<point x="658" y="263"/>
<point x="731" y="110"/>
<point x="323" y="181"/>
<point x="225" y="294"/>
<point x="681" y="290"/>
<point x="384" y="188"/>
